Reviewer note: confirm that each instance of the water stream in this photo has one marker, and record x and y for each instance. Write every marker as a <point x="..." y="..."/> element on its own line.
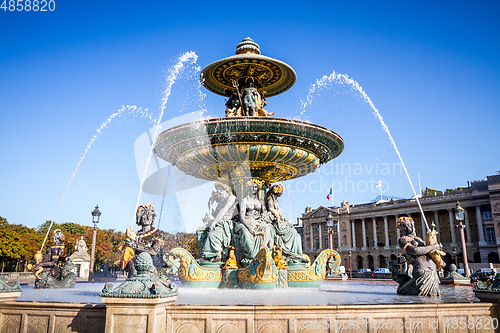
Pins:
<point x="328" y="80"/>
<point x="173" y="73"/>
<point x="132" y="109"/>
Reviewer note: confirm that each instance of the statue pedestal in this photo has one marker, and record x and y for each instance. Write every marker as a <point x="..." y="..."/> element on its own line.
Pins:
<point x="124" y="314"/>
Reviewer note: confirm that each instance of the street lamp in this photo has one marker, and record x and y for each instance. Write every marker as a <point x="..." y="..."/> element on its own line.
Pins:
<point x="95" y="219"/>
<point x="329" y="224"/>
<point x="455" y="255"/>
<point x="459" y="216"/>
<point x="350" y="266"/>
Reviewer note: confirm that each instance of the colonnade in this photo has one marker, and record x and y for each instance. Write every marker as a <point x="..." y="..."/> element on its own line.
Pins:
<point x="364" y="218"/>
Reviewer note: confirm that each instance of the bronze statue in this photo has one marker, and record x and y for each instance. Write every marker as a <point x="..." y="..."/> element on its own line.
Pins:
<point x="233" y="103"/>
<point x="149" y="239"/>
<point x="420" y="274"/>
<point x="248" y="98"/>
<point x="253" y="231"/>
<point x="286" y="237"/>
<point x="214" y="239"/>
<point x="48" y="273"/>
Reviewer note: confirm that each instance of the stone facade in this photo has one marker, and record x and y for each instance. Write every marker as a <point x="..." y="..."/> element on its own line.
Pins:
<point x="91" y="318"/>
<point x="369" y="230"/>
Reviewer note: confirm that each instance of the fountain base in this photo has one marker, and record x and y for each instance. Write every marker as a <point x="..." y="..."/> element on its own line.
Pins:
<point x="260" y="273"/>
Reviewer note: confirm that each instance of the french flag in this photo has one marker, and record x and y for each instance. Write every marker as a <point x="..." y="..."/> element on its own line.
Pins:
<point x="329" y="195"/>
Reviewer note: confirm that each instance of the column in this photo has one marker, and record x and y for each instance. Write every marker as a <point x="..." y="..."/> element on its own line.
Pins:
<point x="452" y="227"/>
<point x="386" y="232"/>
<point x="363" y="227"/>
<point x="353" y="234"/>
<point x="339" y="240"/>
<point x="438" y="227"/>
<point x="320" y="235"/>
<point x="374" y="223"/>
<point x="398" y="232"/>
<point x="467" y="227"/>
<point x="312" y="236"/>
<point x="424" y="228"/>
<point x="480" y="229"/>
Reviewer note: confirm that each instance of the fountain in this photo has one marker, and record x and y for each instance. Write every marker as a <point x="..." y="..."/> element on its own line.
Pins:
<point x="246" y="153"/>
<point x="249" y="146"/>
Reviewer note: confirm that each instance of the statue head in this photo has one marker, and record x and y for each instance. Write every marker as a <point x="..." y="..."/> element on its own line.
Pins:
<point x="254" y="185"/>
<point x="58" y="236"/>
<point x="277" y="190"/>
<point x="221" y="187"/>
<point x="406" y="224"/>
<point x="145" y="215"/>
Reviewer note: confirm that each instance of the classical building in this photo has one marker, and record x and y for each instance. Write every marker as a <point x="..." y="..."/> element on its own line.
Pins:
<point x="368" y="231"/>
<point x="81" y="260"/>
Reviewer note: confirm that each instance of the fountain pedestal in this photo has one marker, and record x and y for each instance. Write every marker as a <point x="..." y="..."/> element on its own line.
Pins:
<point x="124" y="315"/>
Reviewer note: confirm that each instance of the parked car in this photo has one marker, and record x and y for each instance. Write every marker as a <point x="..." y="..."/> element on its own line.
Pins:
<point x="364" y="270"/>
<point x="482" y="274"/>
<point x="382" y="270"/>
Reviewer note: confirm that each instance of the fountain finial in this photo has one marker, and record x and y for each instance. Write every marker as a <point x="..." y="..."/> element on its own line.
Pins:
<point x="246" y="46"/>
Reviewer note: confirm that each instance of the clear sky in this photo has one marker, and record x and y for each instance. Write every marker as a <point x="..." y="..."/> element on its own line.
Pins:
<point x="432" y="69"/>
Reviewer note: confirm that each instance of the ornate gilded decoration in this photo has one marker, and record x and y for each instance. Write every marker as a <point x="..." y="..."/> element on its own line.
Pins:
<point x="272" y="76"/>
<point x="279" y="262"/>
<point x="317" y="271"/>
<point x="269" y="149"/>
<point x="190" y="270"/>
<point x="260" y="270"/>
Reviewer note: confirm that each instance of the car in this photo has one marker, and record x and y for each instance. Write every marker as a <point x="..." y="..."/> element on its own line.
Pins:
<point x="483" y="274"/>
<point x="364" y="270"/>
<point x="382" y="270"/>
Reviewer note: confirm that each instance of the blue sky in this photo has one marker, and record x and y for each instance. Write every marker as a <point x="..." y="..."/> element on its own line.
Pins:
<point x="431" y="69"/>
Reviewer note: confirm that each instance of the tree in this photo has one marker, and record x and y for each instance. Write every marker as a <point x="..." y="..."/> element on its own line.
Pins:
<point x="3" y="222"/>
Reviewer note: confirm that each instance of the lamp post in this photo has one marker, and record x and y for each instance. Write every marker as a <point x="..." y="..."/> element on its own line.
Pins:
<point x="95" y="219"/>
<point x="329" y="224"/>
<point x="350" y="266"/>
<point x="459" y="216"/>
<point x="455" y="255"/>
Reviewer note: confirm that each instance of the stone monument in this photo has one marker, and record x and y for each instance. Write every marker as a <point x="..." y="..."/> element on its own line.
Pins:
<point x="81" y="260"/>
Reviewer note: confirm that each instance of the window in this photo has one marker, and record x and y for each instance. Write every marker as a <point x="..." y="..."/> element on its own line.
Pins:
<point x="450" y="236"/>
<point x="390" y="243"/>
<point x="317" y="243"/>
<point x="490" y="236"/>
<point x="327" y="243"/>
<point x="335" y="243"/>
<point x="488" y="215"/>
<point x="367" y="241"/>
<point x="316" y="227"/>
<point x="376" y="224"/>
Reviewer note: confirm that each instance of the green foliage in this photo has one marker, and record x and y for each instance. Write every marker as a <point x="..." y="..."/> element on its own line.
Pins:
<point x="45" y="226"/>
<point x="3" y="222"/>
<point x="72" y="228"/>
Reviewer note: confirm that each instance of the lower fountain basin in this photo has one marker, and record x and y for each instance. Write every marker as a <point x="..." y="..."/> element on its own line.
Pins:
<point x="329" y="293"/>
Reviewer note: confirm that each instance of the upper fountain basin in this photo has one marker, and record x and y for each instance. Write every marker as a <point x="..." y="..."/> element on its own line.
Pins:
<point x="226" y="149"/>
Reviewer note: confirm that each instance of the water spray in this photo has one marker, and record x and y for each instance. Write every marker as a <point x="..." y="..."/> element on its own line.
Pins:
<point x="343" y="78"/>
<point x="133" y="109"/>
<point x="173" y="73"/>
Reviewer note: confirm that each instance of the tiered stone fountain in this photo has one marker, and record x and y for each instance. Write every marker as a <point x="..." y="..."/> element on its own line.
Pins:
<point x="249" y="145"/>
